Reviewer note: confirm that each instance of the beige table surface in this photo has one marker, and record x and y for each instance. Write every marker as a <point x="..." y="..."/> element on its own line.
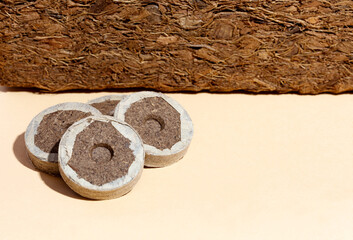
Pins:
<point x="259" y="167"/>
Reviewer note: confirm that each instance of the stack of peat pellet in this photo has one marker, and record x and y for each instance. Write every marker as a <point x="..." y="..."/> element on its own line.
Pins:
<point x="100" y="148"/>
<point x="178" y="45"/>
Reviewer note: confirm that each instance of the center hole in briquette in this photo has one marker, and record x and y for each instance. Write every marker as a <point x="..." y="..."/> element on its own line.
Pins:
<point x="102" y="153"/>
<point x="154" y="123"/>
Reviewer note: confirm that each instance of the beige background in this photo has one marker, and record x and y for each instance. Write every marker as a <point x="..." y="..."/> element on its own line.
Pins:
<point x="259" y="167"/>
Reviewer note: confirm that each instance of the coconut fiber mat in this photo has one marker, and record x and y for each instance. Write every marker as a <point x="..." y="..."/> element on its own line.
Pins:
<point x="178" y="45"/>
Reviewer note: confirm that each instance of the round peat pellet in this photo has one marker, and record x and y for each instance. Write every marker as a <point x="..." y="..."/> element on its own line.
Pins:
<point x="100" y="157"/>
<point x="163" y="125"/>
<point x="106" y="104"/>
<point x="44" y="132"/>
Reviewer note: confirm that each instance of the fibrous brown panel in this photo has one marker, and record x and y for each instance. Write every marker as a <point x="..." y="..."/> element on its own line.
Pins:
<point x="178" y="45"/>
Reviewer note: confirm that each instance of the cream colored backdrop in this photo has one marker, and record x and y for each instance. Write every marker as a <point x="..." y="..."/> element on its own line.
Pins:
<point x="259" y="167"/>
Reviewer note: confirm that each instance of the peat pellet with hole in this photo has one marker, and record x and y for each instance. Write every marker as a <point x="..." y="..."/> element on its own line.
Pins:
<point x="106" y="104"/>
<point x="100" y="157"/>
<point x="44" y="132"/>
<point x="165" y="127"/>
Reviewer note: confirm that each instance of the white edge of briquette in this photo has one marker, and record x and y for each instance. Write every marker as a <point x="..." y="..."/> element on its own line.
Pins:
<point x="113" y="97"/>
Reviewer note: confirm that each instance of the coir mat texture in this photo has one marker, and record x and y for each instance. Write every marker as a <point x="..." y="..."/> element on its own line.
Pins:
<point x="178" y="45"/>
